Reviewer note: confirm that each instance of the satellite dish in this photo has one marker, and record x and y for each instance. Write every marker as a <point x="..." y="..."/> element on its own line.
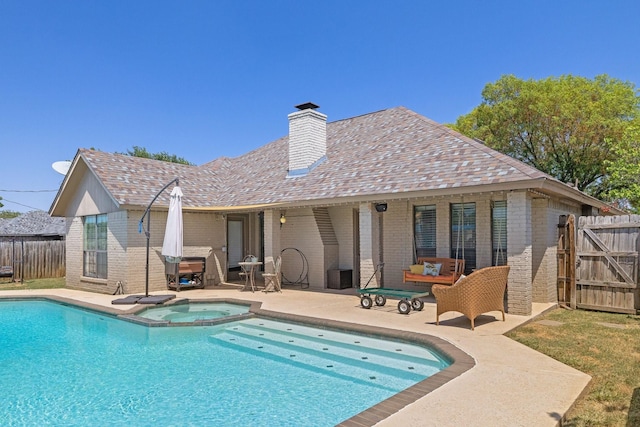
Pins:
<point x="62" y="167"/>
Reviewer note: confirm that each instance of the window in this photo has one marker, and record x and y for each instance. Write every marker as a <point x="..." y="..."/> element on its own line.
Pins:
<point x="424" y="227"/>
<point x="463" y="234"/>
<point x="499" y="232"/>
<point x="95" y="246"/>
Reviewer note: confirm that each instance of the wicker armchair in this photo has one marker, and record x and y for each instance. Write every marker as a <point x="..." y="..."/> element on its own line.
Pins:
<point x="478" y="293"/>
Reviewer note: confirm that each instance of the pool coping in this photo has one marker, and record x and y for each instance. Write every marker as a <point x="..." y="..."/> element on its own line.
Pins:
<point x="461" y="362"/>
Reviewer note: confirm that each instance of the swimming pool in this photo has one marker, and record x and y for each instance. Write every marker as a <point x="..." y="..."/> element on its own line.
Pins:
<point x="60" y="365"/>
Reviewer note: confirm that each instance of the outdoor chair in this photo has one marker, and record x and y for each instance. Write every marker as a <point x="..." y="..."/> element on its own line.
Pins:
<point x="245" y="271"/>
<point x="273" y="281"/>
<point x="480" y="292"/>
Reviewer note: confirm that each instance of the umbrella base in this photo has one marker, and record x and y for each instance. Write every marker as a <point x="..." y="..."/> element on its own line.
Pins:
<point x="141" y="299"/>
<point x="155" y="299"/>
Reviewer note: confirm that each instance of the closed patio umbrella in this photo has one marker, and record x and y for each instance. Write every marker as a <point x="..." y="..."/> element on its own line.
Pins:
<point x="172" y="245"/>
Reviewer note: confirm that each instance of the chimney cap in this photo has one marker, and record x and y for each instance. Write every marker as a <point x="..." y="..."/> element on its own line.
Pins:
<point x="307" y="106"/>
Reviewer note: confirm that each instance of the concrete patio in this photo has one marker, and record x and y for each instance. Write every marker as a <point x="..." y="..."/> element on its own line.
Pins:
<point x="510" y="383"/>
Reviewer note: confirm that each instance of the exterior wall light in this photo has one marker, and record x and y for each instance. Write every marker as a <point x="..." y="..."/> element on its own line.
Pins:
<point x="381" y="207"/>
<point x="283" y="219"/>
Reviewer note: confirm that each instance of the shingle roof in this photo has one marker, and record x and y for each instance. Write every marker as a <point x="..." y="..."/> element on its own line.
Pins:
<point x="33" y="223"/>
<point x="135" y="180"/>
<point x="388" y="152"/>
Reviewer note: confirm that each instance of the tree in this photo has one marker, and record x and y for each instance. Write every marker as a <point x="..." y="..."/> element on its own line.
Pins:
<point x="164" y="156"/>
<point x="568" y="127"/>
<point x="624" y="169"/>
<point x="6" y="214"/>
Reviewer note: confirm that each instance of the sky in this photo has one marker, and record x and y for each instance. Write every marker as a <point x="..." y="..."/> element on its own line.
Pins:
<point x="203" y="79"/>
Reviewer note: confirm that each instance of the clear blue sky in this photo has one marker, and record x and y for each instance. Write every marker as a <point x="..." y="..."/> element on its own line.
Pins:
<point x="211" y="78"/>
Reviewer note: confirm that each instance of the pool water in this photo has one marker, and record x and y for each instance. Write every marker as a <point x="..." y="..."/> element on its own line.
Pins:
<point x="192" y="312"/>
<point x="64" y="366"/>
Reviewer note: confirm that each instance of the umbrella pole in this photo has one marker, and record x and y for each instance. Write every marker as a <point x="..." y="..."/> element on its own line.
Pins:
<point x="148" y="232"/>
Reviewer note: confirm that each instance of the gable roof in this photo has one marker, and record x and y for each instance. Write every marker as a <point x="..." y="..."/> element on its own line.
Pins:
<point x="387" y="154"/>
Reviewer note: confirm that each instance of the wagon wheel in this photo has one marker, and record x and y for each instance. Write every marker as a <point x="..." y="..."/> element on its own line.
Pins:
<point x="417" y="304"/>
<point x="366" y="302"/>
<point x="380" y="300"/>
<point x="404" y="306"/>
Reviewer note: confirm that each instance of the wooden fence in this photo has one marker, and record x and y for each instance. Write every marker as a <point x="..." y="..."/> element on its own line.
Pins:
<point x="567" y="260"/>
<point x="34" y="259"/>
<point x="606" y="264"/>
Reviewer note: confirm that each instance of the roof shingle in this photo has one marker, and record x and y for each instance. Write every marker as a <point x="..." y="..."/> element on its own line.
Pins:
<point x="387" y="152"/>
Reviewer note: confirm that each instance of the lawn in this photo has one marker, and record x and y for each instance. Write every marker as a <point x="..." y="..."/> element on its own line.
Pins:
<point x="603" y="345"/>
<point x="33" y="284"/>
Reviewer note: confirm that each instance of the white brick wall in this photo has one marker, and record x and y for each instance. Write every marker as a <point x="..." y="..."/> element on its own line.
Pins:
<point x="307" y="138"/>
<point x="398" y="233"/>
<point x="519" y="252"/>
<point x="443" y="224"/>
<point x="203" y="233"/>
<point x="532" y="239"/>
<point x="301" y="232"/>
<point x="543" y="260"/>
<point x="398" y="242"/>
<point x="483" y="233"/>
<point x="74" y="252"/>
<point x="342" y="220"/>
<point x="367" y="244"/>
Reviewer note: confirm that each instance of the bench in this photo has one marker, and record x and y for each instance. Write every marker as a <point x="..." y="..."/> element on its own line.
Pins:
<point x="6" y="271"/>
<point x="450" y="272"/>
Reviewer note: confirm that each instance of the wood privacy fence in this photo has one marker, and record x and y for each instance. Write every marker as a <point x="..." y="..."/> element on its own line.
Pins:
<point x="34" y="259"/>
<point x="605" y="260"/>
<point x="567" y="260"/>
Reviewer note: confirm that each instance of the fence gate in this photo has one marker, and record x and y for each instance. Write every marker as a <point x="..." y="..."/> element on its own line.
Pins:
<point x="567" y="261"/>
<point x="606" y="277"/>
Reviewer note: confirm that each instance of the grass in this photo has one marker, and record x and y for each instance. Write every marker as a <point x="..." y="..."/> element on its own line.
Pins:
<point x="33" y="284"/>
<point x="603" y="345"/>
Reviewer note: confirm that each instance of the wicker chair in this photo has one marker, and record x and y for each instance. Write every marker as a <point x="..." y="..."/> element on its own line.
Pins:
<point x="477" y="293"/>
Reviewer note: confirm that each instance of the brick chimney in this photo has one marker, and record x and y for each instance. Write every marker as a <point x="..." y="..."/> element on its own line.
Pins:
<point x="307" y="139"/>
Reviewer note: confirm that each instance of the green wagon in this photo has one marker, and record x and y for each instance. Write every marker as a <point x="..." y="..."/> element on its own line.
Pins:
<point x="408" y="299"/>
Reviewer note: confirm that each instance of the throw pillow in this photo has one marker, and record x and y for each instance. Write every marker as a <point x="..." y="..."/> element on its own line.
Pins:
<point x="430" y="269"/>
<point x="462" y="276"/>
<point x="416" y="269"/>
<point x="438" y="268"/>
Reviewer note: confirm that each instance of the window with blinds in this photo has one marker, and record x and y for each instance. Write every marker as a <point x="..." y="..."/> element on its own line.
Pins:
<point x="463" y="234"/>
<point x="499" y="232"/>
<point x="424" y="226"/>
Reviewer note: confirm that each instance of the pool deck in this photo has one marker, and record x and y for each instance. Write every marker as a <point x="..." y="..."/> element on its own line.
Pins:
<point x="510" y="384"/>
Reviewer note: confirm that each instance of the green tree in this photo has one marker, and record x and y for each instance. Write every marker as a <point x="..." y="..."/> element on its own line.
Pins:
<point x="6" y="214"/>
<point x="568" y="127"/>
<point x="164" y="156"/>
<point x="624" y="169"/>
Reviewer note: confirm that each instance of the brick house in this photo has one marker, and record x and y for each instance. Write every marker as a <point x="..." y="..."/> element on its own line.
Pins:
<point x="381" y="187"/>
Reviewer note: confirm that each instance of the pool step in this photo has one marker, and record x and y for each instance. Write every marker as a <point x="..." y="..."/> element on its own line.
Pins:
<point x="411" y="354"/>
<point x="327" y="355"/>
